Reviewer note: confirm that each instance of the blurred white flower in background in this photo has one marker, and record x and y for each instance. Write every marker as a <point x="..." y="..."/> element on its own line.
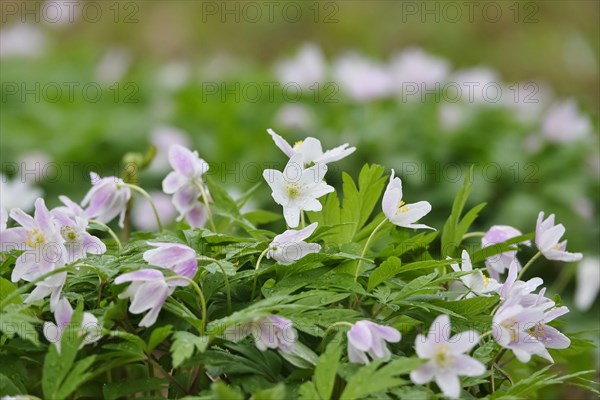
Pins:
<point x="17" y="193"/>
<point x="114" y="64"/>
<point x="588" y="282"/>
<point x="36" y="165"/>
<point x="415" y="66"/>
<point x="563" y="123"/>
<point x="143" y="215"/>
<point x="527" y="101"/>
<point x="163" y="137"/>
<point x="478" y="86"/>
<point x="21" y="40"/>
<point x="362" y="79"/>
<point x="295" y="116"/>
<point x="58" y="13"/>
<point x="174" y="75"/>
<point x="305" y="69"/>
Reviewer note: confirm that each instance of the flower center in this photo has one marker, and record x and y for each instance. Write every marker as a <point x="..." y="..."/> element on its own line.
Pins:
<point x="69" y="234"/>
<point x="509" y="325"/>
<point x="293" y="190"/>
<point x="486" y="281"/>
<point x="537" y="331"/>
<point x="35" y="238"/>
<point x="442" y="357"/>
<point x="401" y="208"/>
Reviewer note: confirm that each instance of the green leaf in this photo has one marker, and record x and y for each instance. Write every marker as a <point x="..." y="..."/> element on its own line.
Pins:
<point x="221" y="391"/>
<point x="20" y="324"/>
<point x="157" y="336"/>
<point x="301" y="356"/>
<point x="7" y="387"/>
<point x="466" y="222"/>
<point x="277" y="392"/>
<point x="450" y="239"/>
<point x="119" y="389"/>
<point x="184" y="345"/>
<point x="387" y="269"/>
<point x="326" y="369"/>
<point x="6" y="288"/>
<point x="308" y="391"/>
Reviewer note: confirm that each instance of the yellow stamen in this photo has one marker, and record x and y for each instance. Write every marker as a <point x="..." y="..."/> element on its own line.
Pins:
<point x="293" y="189"/>
<point x="441" y="355"/>
<point x="401" y="207"/>
<point x="297" y="144"/>
<point x="35" y="238"/>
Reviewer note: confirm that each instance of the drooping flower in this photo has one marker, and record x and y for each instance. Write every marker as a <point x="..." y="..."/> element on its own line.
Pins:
<point x="400" y="213"/>
<point x="476" y="282"/>
<point x="107" y="198"/>
<point x="306" y="69"/>
<point x="63" y="315"/>
<point x="588" y="282"/>
<point x="179" y="258"/>
<point x="290" y="246"/>
<point x="41" y="241"/>
<point x="148" y="292"/>
<point x="447" y="358"/>
<point x="499" y="263"/>
<point x="269" y="332"/>
<point x="52" y="286"/>
<point x="311" y="150"/>
<point x="297" y="189"/>
<point x="17" y="193"/>
<point x="547" y="236"/>
<point x="185" y="181"/>
<point x="366" y="337"/>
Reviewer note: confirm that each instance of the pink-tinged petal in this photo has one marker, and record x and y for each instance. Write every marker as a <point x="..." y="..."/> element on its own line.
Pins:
<point x="360" y="336"/>
<point x="150" y="318"/>
<point x="140" y="275"/>
<point x="292" y="216"/>
<point x="448" y="382"/>
<point x="423" y="375"/>
<point x="26" y="221"/>
<point x="38" y="293"/>
<point x="186" y="198"/>
<point x="439" y="332"/>
<point x="100" y="198"/>
<point x="562" y="255"/>
<point x="42" y="215"/>
<point x="292" y="235"/>
<point x="148" y="295"/>
<point x="467" y="366"/>
<point x="555" y="313"/>
<point x="52" y="333"/>
<point x="182" y="160"/>
<point x="3" y="219"/>
<point x="281" y="143"/>
<point x="356" y="356"/>
<point x="510" y="280"/>
<point x="423" y="347"/>
<point x="550" y="237"/>
<point x="552" y="338"/>
<point x="336" y="154"/>
<point x="63" y="313"/>
<point x="173" y="182"/>
<point x="463" y="342"/>
<point x="197" y="216"/>
<point x="379" y="349"/>
<point x="13" y="239"/>
<point x="386" y="332"/>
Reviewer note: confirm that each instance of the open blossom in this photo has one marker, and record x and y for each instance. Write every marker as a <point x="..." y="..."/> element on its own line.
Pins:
<point x="185" y="181"/>
<point x="400" y="213"/>
<point x="297" y="189"/>
<point x="499" y="263"/>
<point x="41" y="241"/>
<point x="476" y="282"/>
<point x="447" y="358"/>
<point x="547" y="236"/>
<point x="63" y="315"/>
<point x="366" y="337"/>
<point x="311" y="150"/>
<point x="107" y="198"/>
<point x="588" y="282"/>
<point x="148" y="292"/>
<point x="77" y="240"/>
<point x="179" y="258"/>
<point x="270" y="332"/>
<point x="290" y="246"/>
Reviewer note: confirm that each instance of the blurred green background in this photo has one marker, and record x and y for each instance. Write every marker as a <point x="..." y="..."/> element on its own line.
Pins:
<point x="137" y="66"/>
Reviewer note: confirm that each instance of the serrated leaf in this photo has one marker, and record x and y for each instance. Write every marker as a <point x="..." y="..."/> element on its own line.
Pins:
<point x="326" y="369"/>
<point x="387" y="269"/>
<point x="157" y="336"/>
<point x="185" y="344"/>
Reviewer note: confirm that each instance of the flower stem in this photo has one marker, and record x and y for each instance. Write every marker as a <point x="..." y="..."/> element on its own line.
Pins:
<point x="529" y="263"/>
<point x="265" y="251"/>
<point x="330" y="327"/>
<point x="302" y="221"/>
<point x="200" y="295"/>
<point x="110" y="232"/>
<point x="225" y="278"/>
<point x="205" y="199"/>
<point x="149" y="198"/>
<point x="358" y="265"/>
<point x="25" y="287"/>
<point x="472" y="235"/>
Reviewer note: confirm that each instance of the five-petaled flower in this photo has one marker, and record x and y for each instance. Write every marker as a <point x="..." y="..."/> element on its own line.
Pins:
<point x="400" y="213"/>
<point x="447" y="358"/>
<point x="107" y="198"/>
<point x="547" y="236"/>
<point x="311" y="150"/>
<point x="297" y="189"/>
<point x="366" y="337"/>
<point x="290" y="246"/>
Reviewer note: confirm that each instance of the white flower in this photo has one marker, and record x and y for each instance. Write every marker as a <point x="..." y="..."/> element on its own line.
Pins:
<point x="400" y="213"/>
<point x="290" y="246"/>
<point x="17" y="194"/>
<point x="477" y="283"/>
<point x="416" y="67"/>
<point x="366" y="337"/>
<point x="306" y="69"/>
<point x="563" y="123"/>
<point x="479" y="85"/>
<point x="311" y="150"/>
<point x="107" y="198"/>
<point x="588" y="282"/>
<point x="63" y="315"/>
<point x="113" y="65"/>
<point x="547" y="236"/>
<point x="297" y="116"/>
<point x="447" y="358"/>
<point x="297" y="189"/>
<point x="362" y="79"/>
<point x="498" y="263"/>
<point x="22" y="40"/>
